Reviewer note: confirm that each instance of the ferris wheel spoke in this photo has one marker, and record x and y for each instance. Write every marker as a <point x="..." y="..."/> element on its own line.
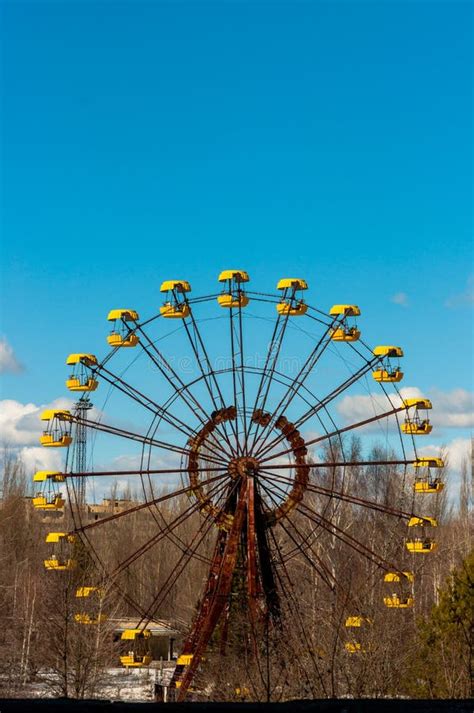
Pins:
<point x="347" y="539"/>
<point x="183" y="389"/>
<point x="170" y="527"/>
<point x="298" y="382"/>
<point x="346" y="497"/>
<point x="142" y="506"/>
<point x="322" y="403"/>
<point x="300" y="544"/>
<point x="207" y="372"/>
<point x="269" y="367"/>
<point x="187" y="554"/>
<point x="143" y="471"/>
<point x="178" y="569"/>
<point x="333" y="434"/>
<point x="141" y="398"/>
<point x="295" y="607"/>
<point x="115" y="431"/>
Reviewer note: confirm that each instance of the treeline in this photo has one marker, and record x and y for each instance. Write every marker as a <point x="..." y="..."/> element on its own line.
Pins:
<point x="323" y="578"/>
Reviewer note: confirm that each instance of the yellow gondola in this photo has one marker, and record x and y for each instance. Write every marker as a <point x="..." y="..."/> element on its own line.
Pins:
<point x="138" y="653"/>
<point x="388" y="372"/>
<point x="416" y="425"/>
<point x="289" y="304"/>
<point x="233" y="296"/>
<point x="346" y="332"/>
<point x="48" y="498"/>
<point x="91" y="598"/>
<point x="427" y="483"/>
<point x="80" y="380"/>
<point x="401" y="599"/>
<point x="57" y="434"/>
<point x="173" y="308"/>
<point x="121" y="335"/>
<point x="356" y="622"/>
<point x="423" y="544"/>
<point x="60" y="558"/>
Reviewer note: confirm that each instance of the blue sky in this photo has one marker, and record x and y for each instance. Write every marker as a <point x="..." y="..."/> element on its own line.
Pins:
<point x="142" y="141"/>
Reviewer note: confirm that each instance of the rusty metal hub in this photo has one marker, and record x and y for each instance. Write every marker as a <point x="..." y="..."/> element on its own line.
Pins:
<point x="243" y="467"/>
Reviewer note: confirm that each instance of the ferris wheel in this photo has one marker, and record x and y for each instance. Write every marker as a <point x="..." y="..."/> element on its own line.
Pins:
<point x="236" y="410"/>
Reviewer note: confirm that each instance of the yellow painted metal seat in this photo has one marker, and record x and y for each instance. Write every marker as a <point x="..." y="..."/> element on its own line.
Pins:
<point x="355" y="622"/>
<point x="421" y="545"/>
<point x="427" y="485"/>
<point x="398" y="602"/>
<point x="298" y="309"/>
<point x="383" y="375"/>
<point x="354" y="647"/>
<point x="138" y="654"/>
<point x="75" y="384"/>
<point x="235" y="301"/>
<point x="416" y="428"/>
<point x="121" y="335"/>
<point x="42" y="502"/>
<point x="175" y="311"/>
<point x="48" y="440"/>
<point x="350" y="334"/>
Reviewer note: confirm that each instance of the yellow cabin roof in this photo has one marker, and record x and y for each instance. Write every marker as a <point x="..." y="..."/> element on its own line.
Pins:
<point x="292" y="283"/>
<point x="389" y="351"/>
<point x="417" y="403"/>
<point x="354" y="621"/>
<point x="127" y="314"/>
<point x="49" y="414"/>
<point x="429" y="463"/>
<point x="87" y="591"/>
<point x="42" y="475"/>
<point x="179" y="285"/>
<point x="346" y="310"/>
<point x="238" y="275"/>
<point x="78" y="358"/>
<point x="131" y="634"/>
<point x="422" y="522"/>
<point x="399" y="576"/>
<point x="58" y="536"/>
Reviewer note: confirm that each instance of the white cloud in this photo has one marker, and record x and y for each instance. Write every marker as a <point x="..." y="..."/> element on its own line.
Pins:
<point x="400" y="298"/>
<point x="462" y="299"/>
<point x="20" y="429"/>
<point x="451" y="409"/>
<point x="454" y="452"/>
<point x="8" y="361"/>
<point x="20" y="424"/>
<point x="38" y="458"/>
